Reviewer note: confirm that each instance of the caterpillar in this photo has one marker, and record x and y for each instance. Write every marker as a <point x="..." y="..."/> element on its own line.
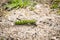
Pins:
<point x="22" y="22"/>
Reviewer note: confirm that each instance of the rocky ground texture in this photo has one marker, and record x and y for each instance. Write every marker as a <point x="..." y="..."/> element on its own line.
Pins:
<point x="47" y="26"/>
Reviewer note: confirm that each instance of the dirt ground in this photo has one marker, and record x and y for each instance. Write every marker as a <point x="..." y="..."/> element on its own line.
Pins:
<point x="47" y="26"/>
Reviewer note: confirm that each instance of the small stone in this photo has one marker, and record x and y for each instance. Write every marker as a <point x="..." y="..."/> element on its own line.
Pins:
<point x="49" y="19"/>
<point x="50" y="24"/>
<point x="52" y="39"/>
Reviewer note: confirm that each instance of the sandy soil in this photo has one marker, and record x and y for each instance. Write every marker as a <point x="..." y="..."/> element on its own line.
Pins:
<point x="47" y="26"/>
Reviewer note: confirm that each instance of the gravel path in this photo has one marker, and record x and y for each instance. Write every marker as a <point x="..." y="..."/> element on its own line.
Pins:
<point x="48" y="25"/>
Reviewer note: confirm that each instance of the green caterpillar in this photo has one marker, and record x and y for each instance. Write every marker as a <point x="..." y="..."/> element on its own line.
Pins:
<point x="22" y="22"/>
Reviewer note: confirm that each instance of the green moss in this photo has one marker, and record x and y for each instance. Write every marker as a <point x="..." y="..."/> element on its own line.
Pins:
<point x="57" y="0"/>
<point x="58" y="12"/>
<point x="2" y="38"/>
<point x="31" y="8"/>
<point x="22" y="22"/>
<point x="55" y="4"/>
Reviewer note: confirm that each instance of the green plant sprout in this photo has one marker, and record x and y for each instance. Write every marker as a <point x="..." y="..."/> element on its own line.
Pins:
<point x="16" y="3"/>
<point x="22" y="22"/>
<point x="10" y="6"/>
